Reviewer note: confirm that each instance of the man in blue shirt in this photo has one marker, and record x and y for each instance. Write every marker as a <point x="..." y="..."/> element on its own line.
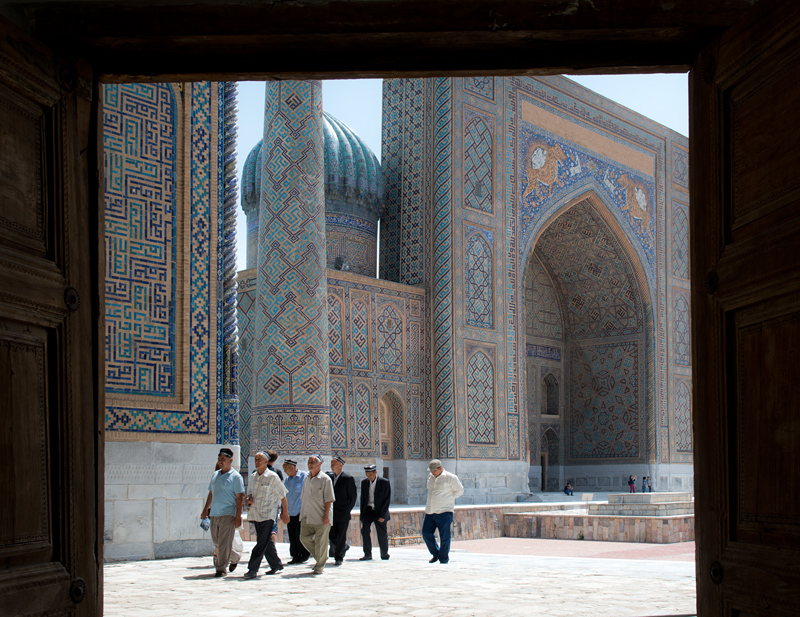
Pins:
<point x="294" y="485"/>
<point x="224" y="506"/>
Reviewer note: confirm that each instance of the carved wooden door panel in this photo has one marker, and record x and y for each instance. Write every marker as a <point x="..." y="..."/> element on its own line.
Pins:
<point x="745" y="186"/>
<point x="50" y="432"/>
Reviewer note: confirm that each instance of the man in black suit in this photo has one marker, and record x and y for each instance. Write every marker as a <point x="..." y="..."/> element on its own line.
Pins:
<point x="376" y="494"/>
<point x="344" y="489"/>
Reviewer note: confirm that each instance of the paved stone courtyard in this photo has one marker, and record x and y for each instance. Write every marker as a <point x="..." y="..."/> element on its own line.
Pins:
<point x="505" y="576"/>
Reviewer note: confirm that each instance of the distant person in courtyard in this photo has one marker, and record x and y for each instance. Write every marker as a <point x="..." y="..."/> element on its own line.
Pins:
<point x="224" y="507"/>
<point x="649" y="484"/>
<point x="316" y="513"/>
<point x="568" y="489"/>
<point x="443" y="490"/>
<point x="265" y="493"/>
<point x="376" y="495"/>
<point x="632" y="484"/>
<point x="345" y="493"/>
<point x="273" y="456"/>
<point x="644" y="484"/>
<point x="294" y="485"/>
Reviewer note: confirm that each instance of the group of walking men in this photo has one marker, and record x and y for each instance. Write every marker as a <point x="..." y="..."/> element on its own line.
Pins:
<point x="315" y="507"/>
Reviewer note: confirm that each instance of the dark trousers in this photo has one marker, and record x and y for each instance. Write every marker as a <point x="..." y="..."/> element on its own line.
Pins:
<point x="296" y="548"/>
<point x="442" y="522"/>
<point x="264" y="547"/>
<point x="338" y="537"/>
<point x="367" y="519"/>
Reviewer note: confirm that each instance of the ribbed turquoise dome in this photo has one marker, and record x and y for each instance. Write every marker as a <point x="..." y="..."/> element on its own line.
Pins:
<point x="353" y="179"/>
<point x="353" y="198"/>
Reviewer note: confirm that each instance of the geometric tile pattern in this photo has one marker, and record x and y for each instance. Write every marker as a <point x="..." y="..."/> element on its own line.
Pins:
<point x="338" y="416"/>
<point x="246" y="314"/>
<point x="364" y="418"/>
<point x="604" y="393"/>
<point x="542" y="310"/>
<point x="335" y="338"/>
<point x="392" y="166"/>
<point x="550" y="395"/>
<point x="478" y="281"/>
<point x="442" y="269"/>
<point x="482" y="86"/>
<point x="395" y="411"/>
<point x="680" y="242"/>
<point x="683" y="417"/>
<point x="139" y="144"/>
<point x="683" y="341"/>
<point x="351" y="243"/>
<point x="390" y="340"/>
<point x="680" y="166"/>
<point x="595" y="281"/>
<point x="359" y="334"/>
<point x="478" y="184"/>
<point x="543" y="351"/>
<point x="141" y="154"/>
<point x="480" y="400"/>
<point x="292" y="354"/>
<point x="549" y="445"/>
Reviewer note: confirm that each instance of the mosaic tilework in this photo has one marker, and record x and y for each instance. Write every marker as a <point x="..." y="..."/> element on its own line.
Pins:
<point x="478" y="268"/>
<point x="482" y="86"/>
<point x="683" y="341"/>
<point x="478" y="153"/>
<point x="139" y="145"/>
<point x="292" y="348"/>
<point x="351" y="243"/>
<point x="480" y="400"/>
<point x="193" y="414"/>
<point x="549" y="444"/>
<point x="604" y="397"/>
<point x="543" y="313"/>
<point x="680" y="241"/>
<point x="392" y="166"/>
<point x="336" y="341"/>
<point x="553" y="169"/>
<point x="359" y="333"/>
<point x="338" y="416"/>
<point x="550" y="398"/>
<point x="390" y="340"/>
<point x="683" y="417"/>
<point x="246" y="315"/>
<point x="442" y="269"/>
<point x="680" y="166"/>
<point x="593" y="276"/>
<point x="542" y="351"/>
<point x="395" y="412"/>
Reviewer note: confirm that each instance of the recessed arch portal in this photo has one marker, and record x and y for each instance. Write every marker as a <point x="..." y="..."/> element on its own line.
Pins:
<point x="583" y="264"/>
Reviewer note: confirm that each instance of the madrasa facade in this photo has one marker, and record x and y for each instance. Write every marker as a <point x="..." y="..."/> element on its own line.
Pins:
<point x="507" y="290"/>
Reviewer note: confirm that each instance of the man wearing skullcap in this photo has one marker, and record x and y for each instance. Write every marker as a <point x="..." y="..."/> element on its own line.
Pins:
<point x="443" y="490"/>
<point x="315" y="512"/>
<point x="224" y="507"/>
<point x="294" y="485"/>
<point x="376" y="494"/>
<point x="344" y="490"/>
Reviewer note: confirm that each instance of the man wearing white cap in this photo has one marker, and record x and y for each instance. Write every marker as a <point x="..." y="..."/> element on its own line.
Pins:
<point x="315" y="512"/>
<point x="443" y="490"/>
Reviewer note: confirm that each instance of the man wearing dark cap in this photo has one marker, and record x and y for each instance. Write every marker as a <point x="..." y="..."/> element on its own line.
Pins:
<point x="315" y="512"/>
<point x="344" y="490"/>
<point x="376" y="494"/>
<point x="224" y="507"/>
<point x="294" y="485"/>
<point x="443" y="490"/>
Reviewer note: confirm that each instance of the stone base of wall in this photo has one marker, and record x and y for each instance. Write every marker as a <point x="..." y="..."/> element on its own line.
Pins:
<point x="611" y="478"/>
<point x="154" y="493"/>
<point x="564" y="526"/>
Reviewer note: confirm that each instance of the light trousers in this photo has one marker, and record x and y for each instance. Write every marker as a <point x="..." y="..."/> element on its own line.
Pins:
<point x="222" y="530"/>
<point x="315" y="539"/>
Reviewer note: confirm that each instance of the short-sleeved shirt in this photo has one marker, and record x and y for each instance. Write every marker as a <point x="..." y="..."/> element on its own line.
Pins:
<point x="317" y="491"/>
<point x="267" y="491"/>
<point x="294" y="484"/>
<point x="224" y="487"/>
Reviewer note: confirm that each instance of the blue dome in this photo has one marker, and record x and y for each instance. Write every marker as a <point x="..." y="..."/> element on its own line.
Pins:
<point x="353" y="178"/>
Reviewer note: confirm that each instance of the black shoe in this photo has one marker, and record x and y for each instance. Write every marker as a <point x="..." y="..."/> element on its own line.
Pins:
<point x="440" y="561"/>
<point x="250" y="574"/>
<point x="219" y="573"/>
<point x="232" y="566"/>
<point x="384" y="557"/>
<point x="274" y="570"/>
<point x="297" y="562"/>
<point x="338" y="562"/>
<point x="365" y="558"/>
<point x="433" y="560"/>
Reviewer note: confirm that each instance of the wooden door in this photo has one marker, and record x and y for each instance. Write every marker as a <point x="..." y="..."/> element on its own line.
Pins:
<point x="745" y="203"/>
<point x="50" y="431"/>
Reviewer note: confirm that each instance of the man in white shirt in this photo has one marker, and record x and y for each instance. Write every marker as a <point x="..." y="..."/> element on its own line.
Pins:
<point x="265" y="492"/>
<point x="443" y="490"/>
<point x="315" y="512"/>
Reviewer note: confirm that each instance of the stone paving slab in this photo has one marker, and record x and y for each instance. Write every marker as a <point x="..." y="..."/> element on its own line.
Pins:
<point x="473" y="584"/>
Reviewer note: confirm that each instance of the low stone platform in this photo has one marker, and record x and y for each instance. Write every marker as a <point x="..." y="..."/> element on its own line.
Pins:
<point x="644" y="504"/>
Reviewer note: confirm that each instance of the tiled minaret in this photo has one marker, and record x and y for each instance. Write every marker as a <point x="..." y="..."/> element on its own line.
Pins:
<point x="291" y="411"/>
